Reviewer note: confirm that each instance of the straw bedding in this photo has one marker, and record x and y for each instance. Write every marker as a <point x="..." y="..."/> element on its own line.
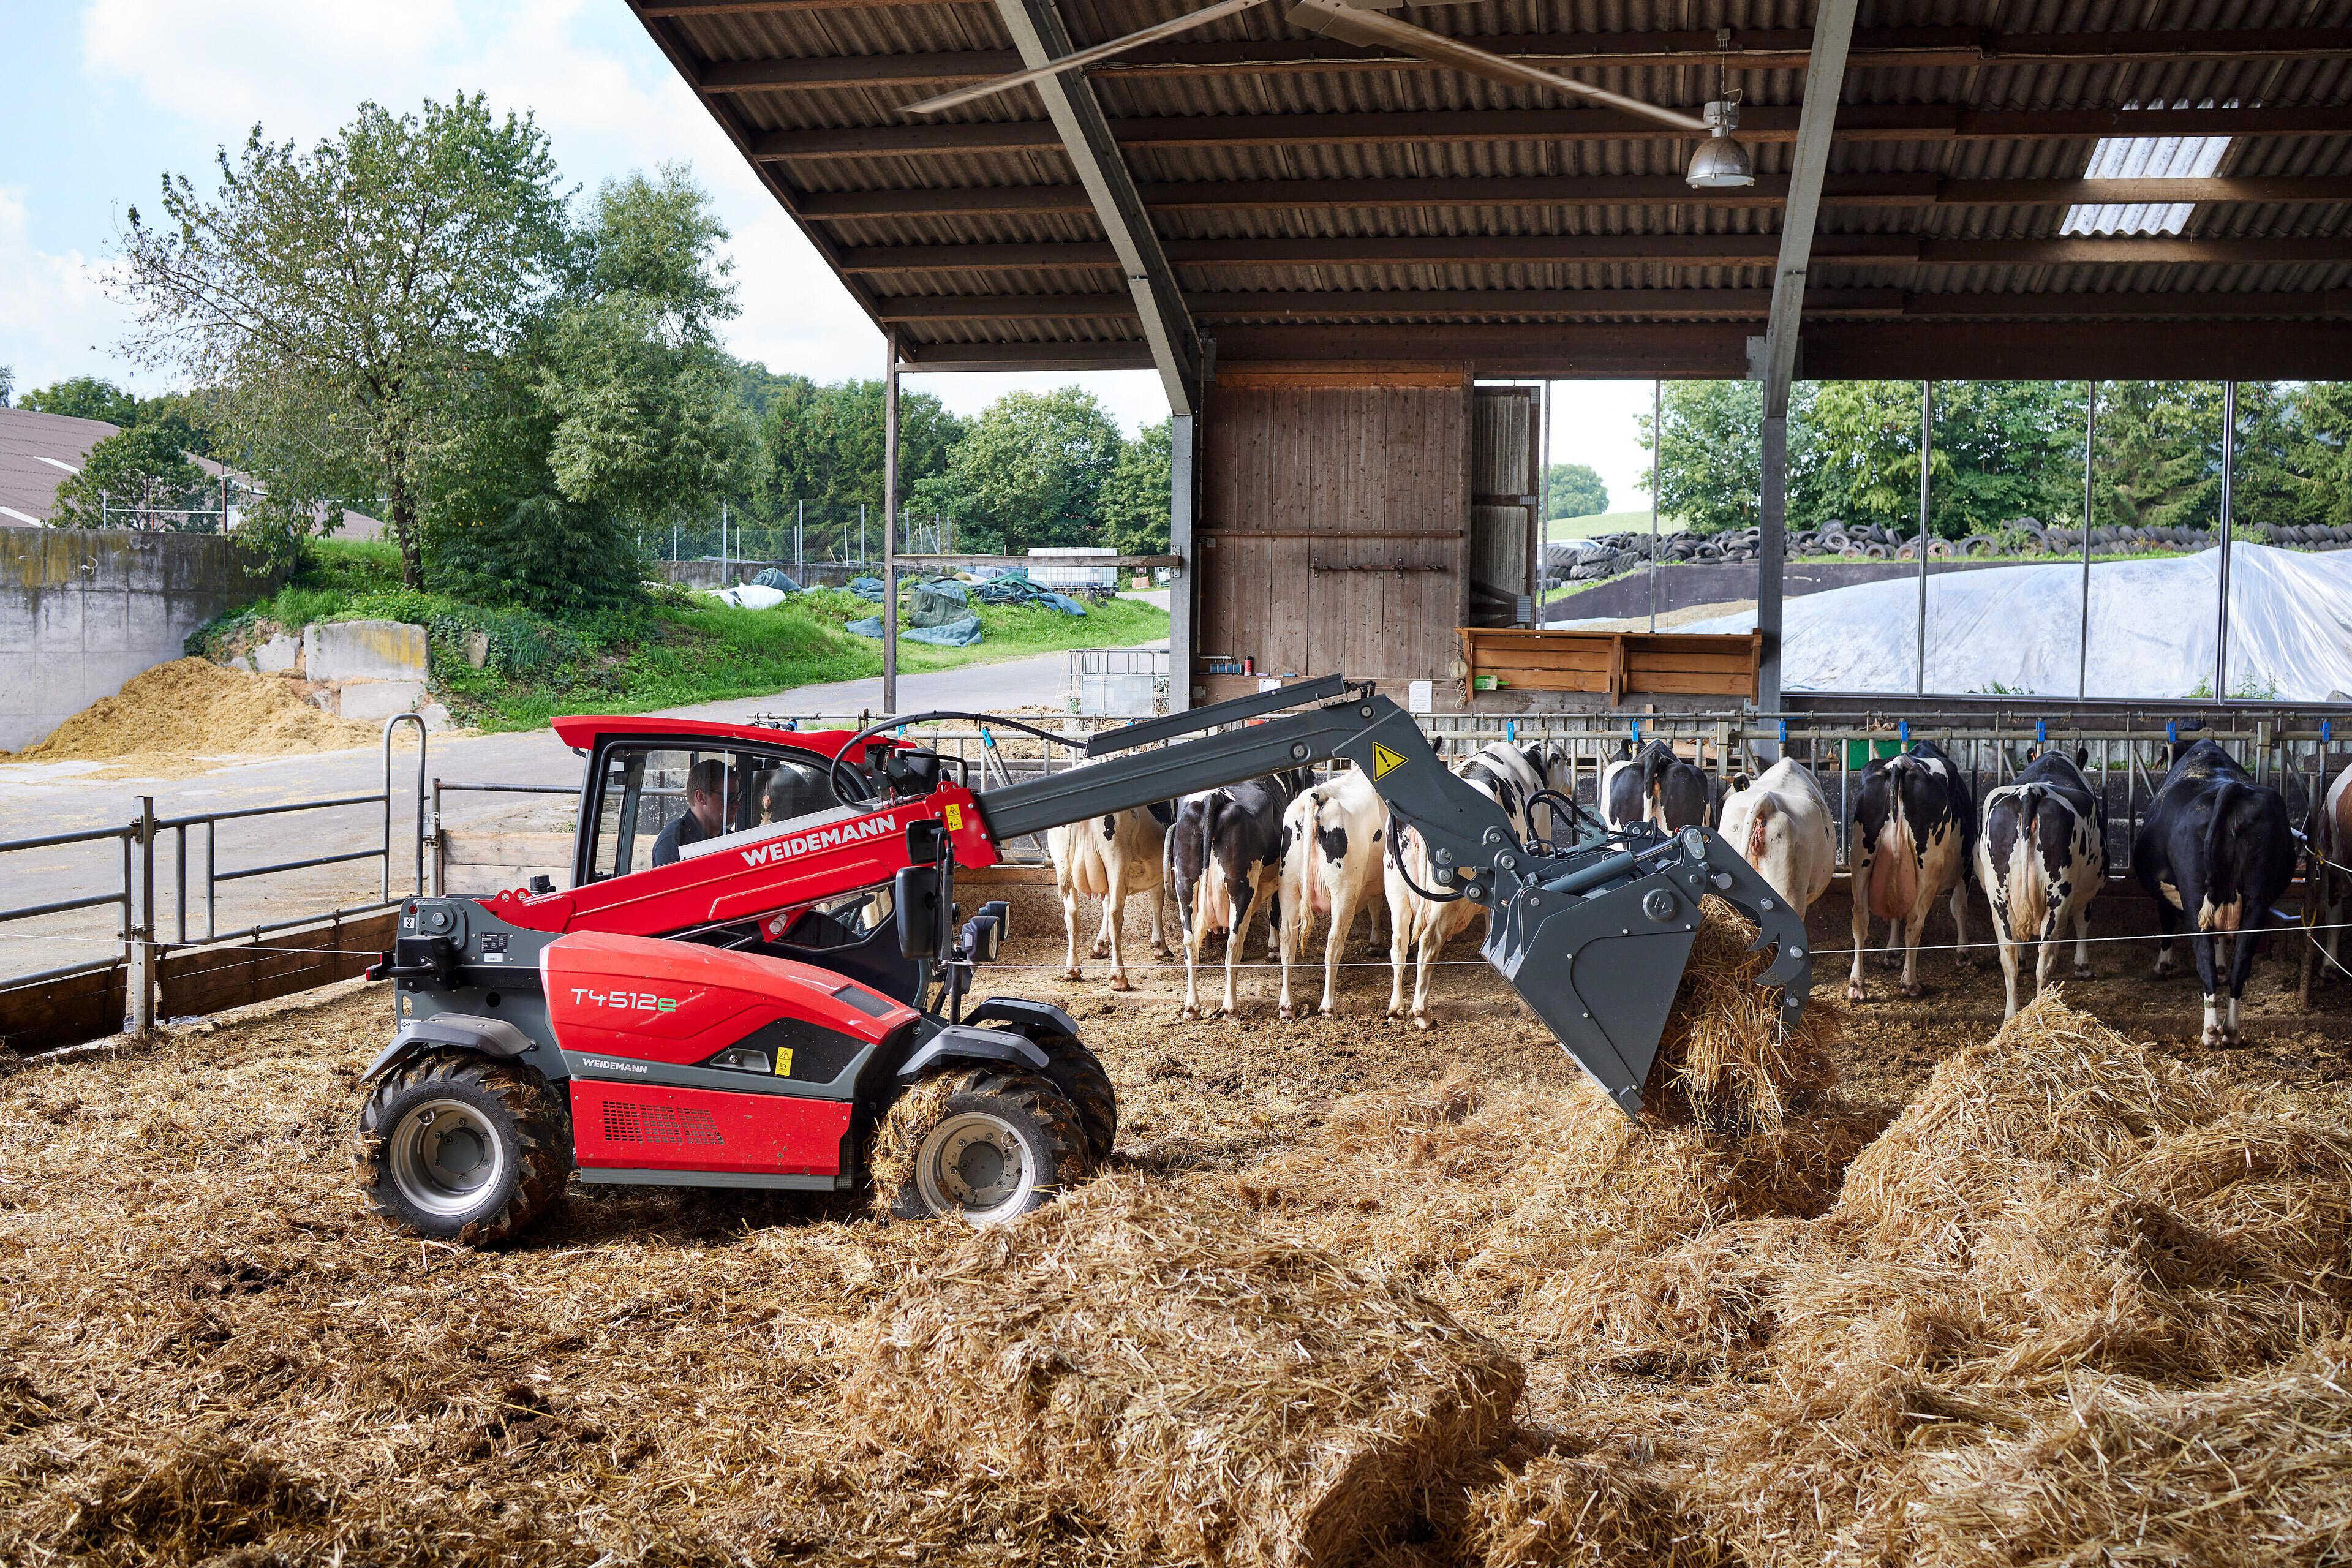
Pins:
<point x="2075" y="1303"/>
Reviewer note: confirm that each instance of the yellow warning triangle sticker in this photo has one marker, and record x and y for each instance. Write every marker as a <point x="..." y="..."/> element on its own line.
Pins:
<point x="1384" y="761"/>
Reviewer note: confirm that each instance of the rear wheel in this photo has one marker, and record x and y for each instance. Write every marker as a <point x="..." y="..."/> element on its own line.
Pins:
<point x="1079" y="1073"/>
<point x="462" y="1146"/>
<point x="996" y="1146"/>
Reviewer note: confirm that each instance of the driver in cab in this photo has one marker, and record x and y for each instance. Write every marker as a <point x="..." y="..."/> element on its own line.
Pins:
<point x="706" y="812"/>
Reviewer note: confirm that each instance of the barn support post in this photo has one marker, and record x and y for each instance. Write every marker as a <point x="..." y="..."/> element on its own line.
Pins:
<point x="889" y="522"/>
<point x="1927" y="455"/>
<point x="1183" y="587"/>
<point x="2229" y="480"/>
<point x="2090" y="446"/>
<point x="1772" y="542"/>
<point x="140" y="981"/>
<point x="1658" y="445"/>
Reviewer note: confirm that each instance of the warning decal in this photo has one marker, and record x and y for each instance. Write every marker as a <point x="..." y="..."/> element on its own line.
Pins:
<point x="1384" y="761"/>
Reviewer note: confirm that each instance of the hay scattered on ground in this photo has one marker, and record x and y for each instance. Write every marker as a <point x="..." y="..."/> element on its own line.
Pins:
<point x="1195" y="1390"/>
<point x="2076" y="1299"/>
<point x="1726" y="1057"/>
<point x="190" y="712"/>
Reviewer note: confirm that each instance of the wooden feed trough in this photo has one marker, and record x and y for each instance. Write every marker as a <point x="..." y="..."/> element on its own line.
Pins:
<point x="1617" y="664"/>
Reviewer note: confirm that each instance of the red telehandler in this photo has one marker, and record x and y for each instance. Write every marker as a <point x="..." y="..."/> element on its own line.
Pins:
<point x="762" y="952"/>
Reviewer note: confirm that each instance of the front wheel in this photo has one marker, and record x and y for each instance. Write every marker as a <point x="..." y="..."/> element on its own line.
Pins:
<point x="993" y="1147"/>
<point x="462" y="1146"/>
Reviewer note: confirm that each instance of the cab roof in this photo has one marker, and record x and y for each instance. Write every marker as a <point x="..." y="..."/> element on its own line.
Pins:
<point x="583" y="730"/>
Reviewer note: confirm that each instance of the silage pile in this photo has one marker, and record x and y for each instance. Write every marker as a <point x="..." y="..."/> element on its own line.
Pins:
<point x="170" y="716"/>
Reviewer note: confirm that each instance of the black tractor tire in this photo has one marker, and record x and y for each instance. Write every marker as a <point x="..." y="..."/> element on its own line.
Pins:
<point x="1079" y="1073"/>
<point x="463" y="1147"/>
<point x="999" y="1145"/>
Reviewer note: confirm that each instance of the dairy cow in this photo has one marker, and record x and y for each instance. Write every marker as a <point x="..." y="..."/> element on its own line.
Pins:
<point x="2215" y="847"/>
<point x="1332" y="847"/>
<point x="1658" y="786"/>
<point x="1422" y="916"/>
<point x="2041" y="857"/>
<point x="1781" y="825"/>
<point x="1504" y="775"/>
<point x="1224" y="859"/>
<point x="1113" y="858"/>
<point x="1914" y="842"/>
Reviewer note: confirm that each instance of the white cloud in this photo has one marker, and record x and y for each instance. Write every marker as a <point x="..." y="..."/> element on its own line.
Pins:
<point x="56" y="316"/>
<point x="605" y="96"/>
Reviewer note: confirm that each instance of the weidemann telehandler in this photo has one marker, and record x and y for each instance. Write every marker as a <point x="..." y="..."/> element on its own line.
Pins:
<point x="762" y="952"/>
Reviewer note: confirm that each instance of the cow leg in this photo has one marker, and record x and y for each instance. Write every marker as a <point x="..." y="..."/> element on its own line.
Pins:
<point x="2200" y="947"/>
<point x="2083" y="940"/>
<point x="1433" y="939"/>
<point x="2006" y="946"/>
<point x="1289" y="934"/>
<point x="1860" y="883"/>
<point x="1343" y="917"/>
<point x="1114" y="916"/>
<point x="1070" y="932"/>
<point x="1195" y="929"/>
<point x="1396" y="960"/>
<point x="1234" y="943"/>
<point x="2166" y="918"/>
<point x="2241" y="969"/>
<point x="2045" y="956"/>
<point x="1913" y="930"/>
<point x="1110" y="911"/>
<point x="1962" y="956"/>
<point x="1159" y="949"/>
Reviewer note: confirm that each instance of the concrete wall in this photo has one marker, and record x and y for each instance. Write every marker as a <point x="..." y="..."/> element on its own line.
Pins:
<point x="83" y="610"/>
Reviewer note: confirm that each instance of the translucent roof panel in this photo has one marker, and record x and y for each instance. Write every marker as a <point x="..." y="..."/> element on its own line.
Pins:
<point x="2145" y="158"/>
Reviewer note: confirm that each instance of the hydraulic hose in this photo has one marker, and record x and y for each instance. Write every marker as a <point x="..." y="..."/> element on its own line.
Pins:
<point x="833" y="773"/>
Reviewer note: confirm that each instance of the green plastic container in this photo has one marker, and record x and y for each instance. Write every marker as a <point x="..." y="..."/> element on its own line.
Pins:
<point x="1859" y="752"/>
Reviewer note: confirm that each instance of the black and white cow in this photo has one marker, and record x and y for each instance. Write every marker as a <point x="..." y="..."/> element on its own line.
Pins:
<point x="2041" y="857"/>
<point x="1224" y="859"/>
<point x="1424" y="925"/>
<point x="1503" y="774"/>
<point x="1915" y="830"/>
<point x="1623" y="802"/>
<point x="2217" y="845"/>
<point x="2329" y="884"/>
<point x="1658" y="786"/>
<point x="1113" y="858"/>
<point x="1333" y="839"/>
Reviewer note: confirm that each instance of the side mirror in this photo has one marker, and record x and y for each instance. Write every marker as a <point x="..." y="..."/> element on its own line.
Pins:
<point x="919" y="910"/>
<point x="982" y="937"/>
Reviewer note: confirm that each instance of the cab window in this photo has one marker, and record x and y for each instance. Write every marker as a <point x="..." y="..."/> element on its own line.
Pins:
<point x="656" y="800"/>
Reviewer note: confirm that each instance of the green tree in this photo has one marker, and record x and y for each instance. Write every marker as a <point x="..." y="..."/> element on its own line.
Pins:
<point x="1031" y="470"/>
<point x="1576" y="490"/>
<point x="144" y="468"/>
<point x="7" y="384"/>
<point x="84" y="397"/>
<point x="1710" y="454"/>
<point x="2320" y="482"/>
<point x="2158" y="462"/>
<point x="615" y="416"/>
<point x="825" y="443"/>
<point x="387" y="267"/>
<point x="2002" y="450"/>
<point x="1138" y="495"/>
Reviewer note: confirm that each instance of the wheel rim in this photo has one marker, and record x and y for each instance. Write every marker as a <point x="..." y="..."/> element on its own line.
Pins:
<point x="977" y="1165"/>
<point x="446" y="1157"/>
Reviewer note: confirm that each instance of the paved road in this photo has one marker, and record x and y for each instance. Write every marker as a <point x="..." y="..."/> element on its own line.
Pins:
<point x="40" y="799"/>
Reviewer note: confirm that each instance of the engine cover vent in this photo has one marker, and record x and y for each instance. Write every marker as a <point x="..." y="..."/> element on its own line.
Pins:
<point x="630" y="1121"/>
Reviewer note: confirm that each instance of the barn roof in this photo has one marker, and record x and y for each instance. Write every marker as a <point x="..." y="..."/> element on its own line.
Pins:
<point x="1315" y="201"/>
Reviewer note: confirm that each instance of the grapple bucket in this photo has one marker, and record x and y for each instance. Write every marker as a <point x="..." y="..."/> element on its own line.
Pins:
<point x="1596" y="944"/>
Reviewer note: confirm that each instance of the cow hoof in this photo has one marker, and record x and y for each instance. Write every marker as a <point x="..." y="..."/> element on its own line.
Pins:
<point x="1102" y="950"/>
<point x="1159" y="951"/>
<point x="1909" y="993"/>
<point x="2082" y="972"/>
<point x="1331" y="1009"/>
<point x="2163" y="969"/>
<point x="1286" y="1012"/>
<point x="1120" y="983"/>
<point x="1967" y="959"/>
<point x="1190" y="1013"/>
<point x="1854" y="993"/>
<point x="1420" y="1020"/>
<point x="2216" y="1036"/>
<point x="1072" y="974"/>
<point x="1891" y="960"/>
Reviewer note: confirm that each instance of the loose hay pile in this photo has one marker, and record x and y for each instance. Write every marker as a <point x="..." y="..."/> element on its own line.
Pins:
<point x="2075" y="1304"/>
<point x="167" y="717"/>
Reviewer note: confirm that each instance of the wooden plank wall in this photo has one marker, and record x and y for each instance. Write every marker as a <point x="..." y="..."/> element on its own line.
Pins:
<point x="1503" y="445"/>
<point x="84" y="1006"/>
<point x="214" y="979"/>
<point x="1353" y="471"/>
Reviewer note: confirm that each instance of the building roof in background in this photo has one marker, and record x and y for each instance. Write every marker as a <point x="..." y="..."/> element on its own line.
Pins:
<point x="38" y="452"/>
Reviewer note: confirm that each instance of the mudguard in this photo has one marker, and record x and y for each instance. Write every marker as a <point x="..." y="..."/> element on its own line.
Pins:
<point x="1020" y="1014"/>
<point x="964" y="1043"/>
<point x="459" y="1031"/>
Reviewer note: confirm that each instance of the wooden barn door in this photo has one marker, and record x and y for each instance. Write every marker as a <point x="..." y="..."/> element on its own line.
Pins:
<point x="1504" y="440"/>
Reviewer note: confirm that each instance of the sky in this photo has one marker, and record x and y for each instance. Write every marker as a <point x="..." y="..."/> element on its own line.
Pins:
<point x="107" y="95"/>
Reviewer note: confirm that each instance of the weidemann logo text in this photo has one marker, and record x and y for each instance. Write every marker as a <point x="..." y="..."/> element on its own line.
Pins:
<point x="824" y="838"/>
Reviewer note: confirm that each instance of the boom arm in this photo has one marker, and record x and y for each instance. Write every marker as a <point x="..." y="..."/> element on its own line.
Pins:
<point x="1594" y="936"/>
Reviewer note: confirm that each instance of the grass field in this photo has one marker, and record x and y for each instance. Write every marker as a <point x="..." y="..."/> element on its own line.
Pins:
<point x="1601" y="522"/>
<point x="674" y="650"/>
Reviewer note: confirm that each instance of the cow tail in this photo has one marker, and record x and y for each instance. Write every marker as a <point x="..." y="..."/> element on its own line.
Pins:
<point x="2220" y="890"/>
<point x="1765" y="808"/>
<point x="2029" y="888"/>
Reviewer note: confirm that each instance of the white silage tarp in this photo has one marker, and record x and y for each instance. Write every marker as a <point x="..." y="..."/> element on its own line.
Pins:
<point x="2018" y="629"/>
